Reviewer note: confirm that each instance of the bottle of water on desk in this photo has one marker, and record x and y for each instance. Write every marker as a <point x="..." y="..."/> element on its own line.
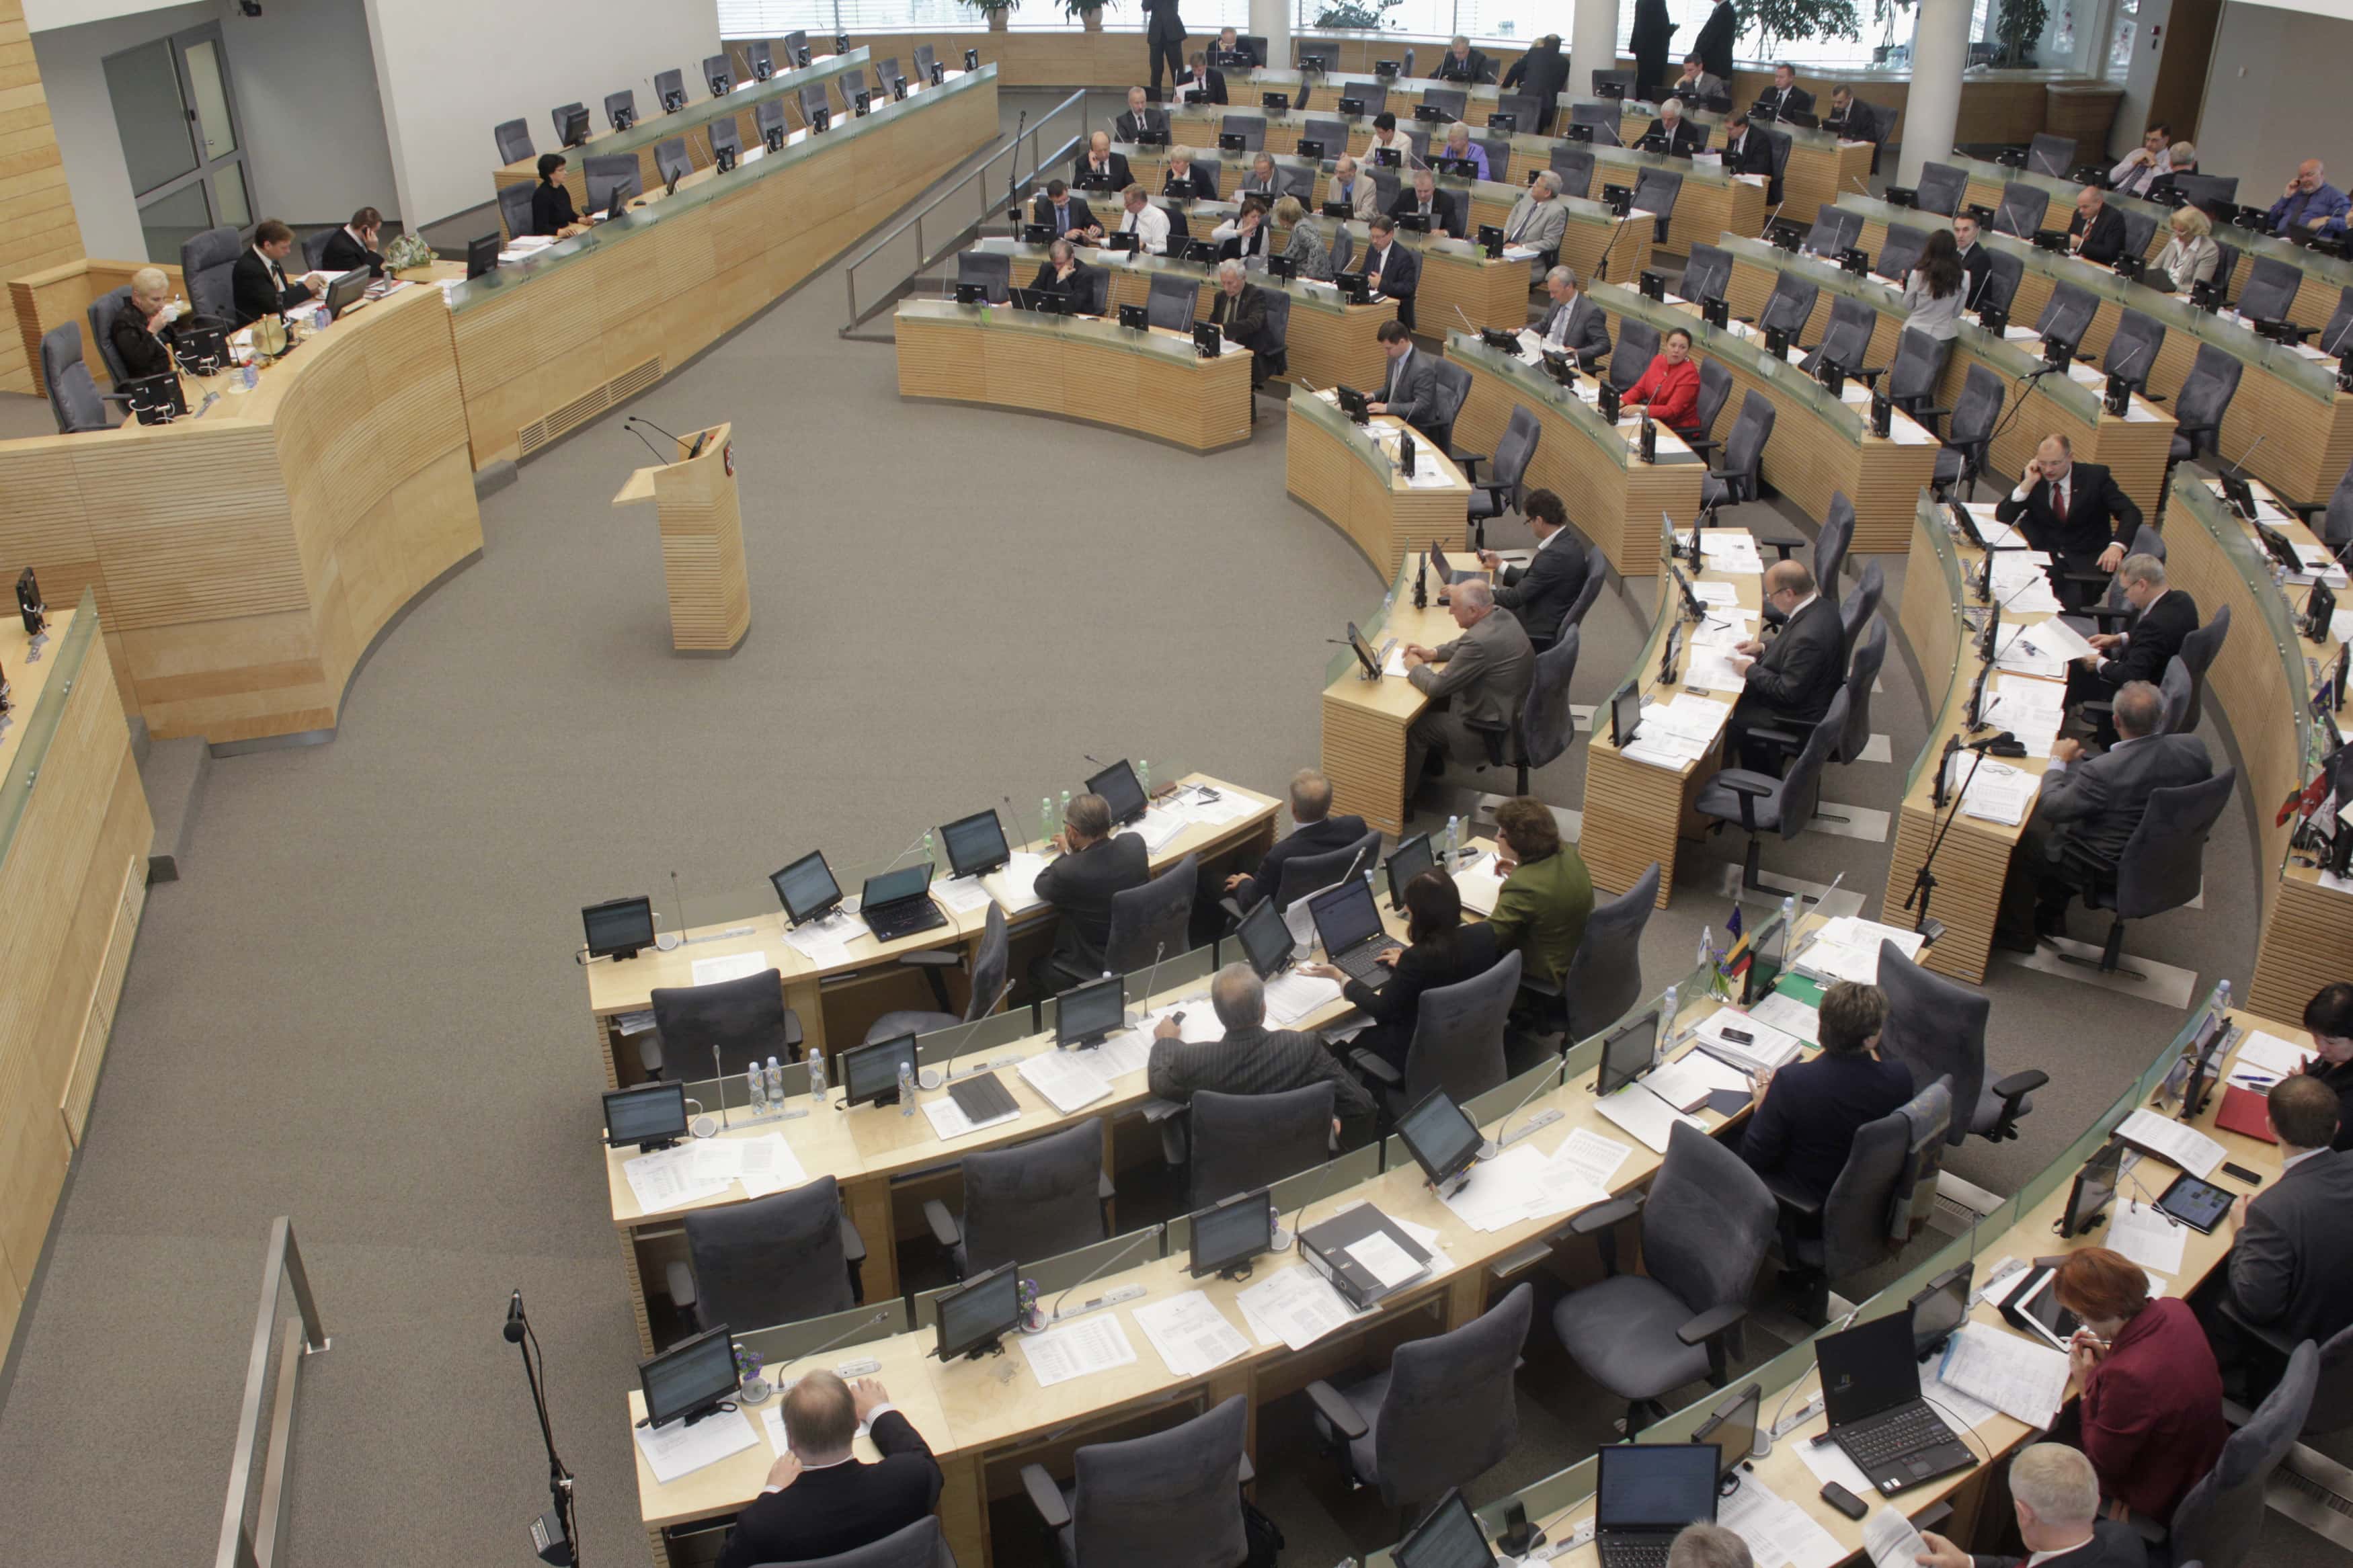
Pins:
<point x="1667" y="1005"/>
<point x="1045" y="818"/>
<point x="1453" y="839"/>
<point x="906" y="1089"/>
<point x="930" y="853"/>
<point x="1143" y="776"/>
<point x="817" y="1076"/>
<point x="776" y="1084"/>
<point x="755" y="1090"/>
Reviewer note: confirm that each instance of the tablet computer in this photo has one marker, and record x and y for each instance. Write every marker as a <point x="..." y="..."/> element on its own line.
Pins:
<point x="2198" y="1204"/>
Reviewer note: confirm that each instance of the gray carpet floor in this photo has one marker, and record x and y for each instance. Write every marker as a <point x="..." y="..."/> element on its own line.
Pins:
<point x="359" y="1007"/>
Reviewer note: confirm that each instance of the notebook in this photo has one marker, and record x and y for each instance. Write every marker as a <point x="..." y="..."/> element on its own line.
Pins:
<point x="2247" y="1113"/>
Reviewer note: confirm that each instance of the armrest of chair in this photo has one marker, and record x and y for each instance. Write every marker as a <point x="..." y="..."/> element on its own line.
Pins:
<point x="1469" y="463"/>
<point x="1927" y="414"/>
<point x="1748" y="790"/>
<point x="1495" y="492"/>
<point x="1788" y="741"/>
<point x="2149" y="1530"/>
<point x="1703" y="446"/>
<point x="944" y="1229"/>
<point x="2195" y="429"/>
<point x="1045" y="1497"/>
<point x="1368" y="1064"/>
<point x="2272" y="1338"/>
<point x="2019" y="1085"/>
<point x="1712" y="1325"/>
<point x="1783" y="548"/>
<point x="1602" y="1217"/>
<point x="1803" y="1203"/>
<point x="1869" y="375"/>
<point x="853" y="1246"/>
<point x="1232" y="909"/>
<point x="1338" y="1411"/>
<point x="933" y="958"/>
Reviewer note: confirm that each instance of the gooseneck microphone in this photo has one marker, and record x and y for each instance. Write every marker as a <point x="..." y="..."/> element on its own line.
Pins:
<point x="514" y="1328"/>
<point x="641" y="419"/>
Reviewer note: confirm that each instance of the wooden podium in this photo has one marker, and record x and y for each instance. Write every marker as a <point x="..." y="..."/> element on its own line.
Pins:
<point x="701" y="541"/>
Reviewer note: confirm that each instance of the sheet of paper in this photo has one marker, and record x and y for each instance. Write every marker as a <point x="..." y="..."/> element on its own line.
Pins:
<point x="665" y="1179"/>
<point x="826" y="943"/>
<point x="2143" y="1234"/>
<point x="1784" y="1012"/>
<point x="734" y="966"/>
<point x="1090" y="1345"/>
<point x="2017" y="1377"/>
<point x="1067" y="1081"/>
<point x="1956" y="1407"/>
<point x="1716" y="593"/>
<point x="1290" y="997"/>
<point x="948" y="1119"/>
<point x="1501" y="1191"/>
<point x="1384" y="1261"/>
<point x="1714" y="669"/>
<point x="679" y="1450"/>
<point x="1564" y="1189"/>
<point x="1121" y="1054"/>
<point x="1477" y="882"/>
<point x="2057" y="637"/>
<point x="1592" y="1155"/>
<point x="1191" y="1335"/>
<point x="2266" y="1056"/>
<point x="1996" y="791"/>
<point x="2185" y="1146"/>
<point x="961" y="895"/>
<point x="1645" y="1115"/>
<point x="1160" y="827"/>
<point x="1828" y="1462"/>
<point x="768" y="1165"/>
<point x="1890" y="1539"/>
<point x="1296" y="1307"/>
<point x="1013" y="885"/>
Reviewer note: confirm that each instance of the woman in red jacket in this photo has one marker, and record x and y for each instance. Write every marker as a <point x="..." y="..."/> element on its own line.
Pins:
<point x="1670" y="386"/>
<point x="2150" y="1396"/>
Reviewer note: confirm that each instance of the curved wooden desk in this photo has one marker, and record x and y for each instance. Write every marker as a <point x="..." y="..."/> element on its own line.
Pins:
<point x="1820" y="164"/>
<point x="1349" y="474"/>
<point x="1150" y="382"/>
<point x="245" y="560"/>
<point x="1365" y="720"/>
<point x="1987" y="179"/>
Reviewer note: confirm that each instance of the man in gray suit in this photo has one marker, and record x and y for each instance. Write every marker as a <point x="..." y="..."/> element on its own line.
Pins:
<point x="1481" y="675"/>
<point x="2291" y="1265"/>
<point x="1539" y="218"/>
<point x="1409" y="387"/>
<point x="1573" y="322"/>
<point x="2093" y="805"/>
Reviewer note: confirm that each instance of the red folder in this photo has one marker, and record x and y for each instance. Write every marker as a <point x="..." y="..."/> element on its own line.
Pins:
<point x="2246" y="1112"/>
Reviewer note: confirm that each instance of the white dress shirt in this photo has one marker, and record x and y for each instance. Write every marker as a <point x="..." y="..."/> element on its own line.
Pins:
<point x="1152" y="224"/>
<point x="1558" y="336"/>
<point x="2132" y="178"/>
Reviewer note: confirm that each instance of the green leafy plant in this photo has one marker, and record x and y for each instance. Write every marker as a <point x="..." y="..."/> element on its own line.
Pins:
<point x="992" y="9"/>
<point x="1357" y="14"/>
<point x="1080" y="7"/>
<point x="2018" y="27"/>
<point x="1774" y="20"/>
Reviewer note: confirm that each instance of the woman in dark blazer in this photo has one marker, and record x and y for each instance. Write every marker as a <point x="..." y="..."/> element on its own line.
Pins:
<point x="551" y="212"/>
<point x="2150" y="1415"/>
<point x="1443" y="951"/>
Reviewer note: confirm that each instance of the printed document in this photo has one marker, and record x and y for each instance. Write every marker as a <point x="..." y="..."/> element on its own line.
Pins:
<point x="679" y="1450"/>
<point x="1065" y="1080"/>
<point x="1074" y="1350"/>
<point x="2021" y="1379"/>
<point x="1191" y="1335"/>
<point x="1295" y="1307"/>
<point x="2170" y="1140"/>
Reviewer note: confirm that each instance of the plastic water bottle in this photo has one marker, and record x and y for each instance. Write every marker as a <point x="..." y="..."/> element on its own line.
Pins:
<point x="906" y="1089"/>
<point x="1066" y="806"/>
<point x="930" y="852"/>
<point x="776" y="1083"/>
<point x="1706" y="947"/>
<point x="1045" y="818"/>
<point x="817" y="1076"/>
<point x="1789" y="921"/>
<point x="2221" y="1001"/>
<point x="1143" y="776"/>
<point x="1667" y="1030"/>
<point x="252" y="377"/>
<point x="1453" y="837"/>
<point x="755" y="1090"/>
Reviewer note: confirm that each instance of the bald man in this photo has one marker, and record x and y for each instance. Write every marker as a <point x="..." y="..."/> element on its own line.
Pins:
<point x="2310" y="203"/>
<point x="820" y="1499"/>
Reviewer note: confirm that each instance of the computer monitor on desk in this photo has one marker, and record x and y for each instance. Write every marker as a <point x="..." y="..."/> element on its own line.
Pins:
<point x="689" y="1381"/>
<point x="973" y="1320"/>
<point x="1085" y="1014"/>
<point x="344" y="291"/>
<point x="1120" y="791"/>
<point x="870" y="1073"/>
<point x="1227" y="1236"/>
<point x="1413" y="858"/>
<point x="1265" y="940"/>
<point x="975" y="844"/>
<point x="652" y="1116"/>
<point x="806" y="889"/>
<point x="1443" y="1139"/>
<point x="481" y="255"/>
<point x="576" y="125"/>
<point x="1628" y="1052"/>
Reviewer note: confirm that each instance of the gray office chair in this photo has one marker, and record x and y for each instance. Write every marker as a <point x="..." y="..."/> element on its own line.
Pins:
<point x="1169" y="1500"/>
<point x="2271" y="287"/>
<point x="2197" y="651"/>
<point x="1919" y="366"/>
<point x="719" y="74"/>
<point x="1585" y="598"/>
<point x="1333" y="133"/>
<point x="2003" y="272"/>
<point x="669" y="86"/>
<point x="1638" y="344"/>
<point x="1305" y="874"/>
<point x="1780" y="143"/>
<point x="744" y="1021"/>
<point x="783" y="1258"/>
<point x="814" y="102"/>
<point x="1880" y="1196"/>
<point x="1170" y="302"/>
<point x="2174" y="690"/>
<point x="992" y="270"/>
<point x="1148" y="924"/>
<point x="1097" y="302"/>
<point x="1707" y="275"/>
<point x="207" y="261"/>
<point x="1457" y="1043"/>
<point x="1032" y="1200"/>
<point x="1455" y="100"/>
<point x="1256" y="44"/>
<point x="1790" y="307"/>
<point x="563" y="112"/>
<point x="1899" y="253"/>
<point x="1502" y="490"/>
<point x="1870" y="655"/>
<point x="1740" y="475"/>
<point x="2217" y="194"/>
<point x="2139" y="229"/>
<point x="2067" y="315"/>
<point x="1444" y="1413"/>
<point x="1373" y="95"/>
<point x="514" y="141"/>
<point x="314" y="248"/>
<point x="612" y="178"/>
<point x="2332" y="1398"/>
<point x="926" y="57"/>
<point x="1387" y="183"/>
<point x="1344" y="249"/>
<point x="1250" y="128"/>
<point x="917" y="1545"/>
<point x="2133" y="348"/>
<point x="2162" y="867"/>
<point x="1298" y="184"/>
<point x="990" y="980"/>
<point x="1762" y="804"/>
<point x="1961" y="444"/>
<point x="1941" y="188"/>
<point x="1240" y="1142"/>
<point x="887" y="75"/>
<point x="102" y="312"/>
<point x="1936" y="1027"/>
<point x="1603" y="118"/>
<point x="1524" y="111"/>
<point x="1861" y="603"/>
<point x="1605" y="977"/>
<point x="2204" y="398"/>
<point x="767" y="115"/>
<point x="2338" y="334"/>
<point x="726" y="134"/>
<point x="1453" y="384"/>
<point x="1705" y="1222"/>
<point x="2050" y="154"/>
<point x="74" y="398"/>
<point x="672" y="159"/>
<point x="2331" y="521"/>
<point x="1574" y="165"/>
<point x="2020" y="211"/>
<point x="2114" y="612"/>
<point x="515" y="208"/>
<point x="1497" y="145"/>
<point x="1874" y="123"/>
<point x="616" y="105"/>
<point x="1655" y="191"/>
<point x="1544" y="729"/>
<point x="1846" y="336"/>
<point x="1405" y="70"/>
<point x="1834" y="230"/>
<point x="2220" y="1519"/>
<point x="1715" y="392"/>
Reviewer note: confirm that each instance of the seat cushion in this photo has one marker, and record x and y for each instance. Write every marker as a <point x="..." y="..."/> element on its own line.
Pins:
<point x="1714" y="493"/>
<point x="1483" y="504"/>
<point x="2181" y="450"/>
<point x="1622" y="1334"/>
<point x="1948" y="466"/>
<point x="1717" y="798"/>
<point x="891" y="1026"/>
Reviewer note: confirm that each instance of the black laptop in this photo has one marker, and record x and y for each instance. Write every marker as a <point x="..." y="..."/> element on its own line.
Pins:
<point x="1121" y="792"/>
<point x="899" y="903"/>
<point x="1646" y="1494"/>
<point x="1871" y="1391"/>
<point x="1349" y="924"/>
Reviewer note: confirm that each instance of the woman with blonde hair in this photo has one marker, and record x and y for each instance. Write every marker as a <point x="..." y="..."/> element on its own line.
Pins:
<point x="1306" y="251"/>
<point x="2189" y="258"/>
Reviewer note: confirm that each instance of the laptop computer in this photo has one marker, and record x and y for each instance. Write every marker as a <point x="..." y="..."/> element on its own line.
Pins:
<point x="899" y="903"/>
<point x="1120" y="791"/>
<point x="1349" y="925"/>
<point x="1644" y="1496"/>
<point x="1871" y="1391"/>
<point x="1413" y="857"/>
<point x="1447" y="1537"/>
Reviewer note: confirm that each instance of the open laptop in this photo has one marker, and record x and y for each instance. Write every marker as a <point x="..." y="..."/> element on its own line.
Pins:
<point x="1413" y="857"/>
<point x="899" y="903"/>
<point x="1871" y="1391"/>
<point x="1120" y="791"/>
<point x="1349" y="925"/>
<point x="1645" y="1494"/>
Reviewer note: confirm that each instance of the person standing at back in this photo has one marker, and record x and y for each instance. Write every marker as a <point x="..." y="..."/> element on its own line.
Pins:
<point x="1542" y="73"/>
<point x="1542" y="592"/>
<point x="1164" y="40"/>
<point x="1653" y="31"/>
<point x="1547" y="894"/>
<point x="1714" y="44"/>
<point x="1090" y="867"/>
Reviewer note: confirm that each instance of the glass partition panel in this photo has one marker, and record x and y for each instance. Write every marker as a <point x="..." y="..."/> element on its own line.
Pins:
<point x="1530" y="384"/>
<point x="1931" y="520"/>
<point x="784" y="1343"/>
<point x="66" y="659"/>
<point x="1847" y="421"/>
<point x="1375" y="626"/>
<point x="1065" y="1272"/>
<point x="2193" y="495"/>
<point x="654" y="126"/>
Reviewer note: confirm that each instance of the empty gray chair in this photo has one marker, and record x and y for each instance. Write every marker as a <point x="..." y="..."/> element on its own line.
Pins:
<point x="917" y="1545"/>
<point x="1305" y="874"/>
<point x="670" y="159"/>
<point x="1574" y="165"/>
<point x="1899" y="253"/>
<point x="2270" y="289"/>
<point x="1373" y="95"/>
<point x="2332" y="1400"/>
<point x="783" y="1258"/>
<point x="1497" y="145"/>
<point x="2139" y="229"/>
<point x="2336" y="335"/>
<point x="1332" y="133"/>
<point x="2220" y="1519"/>
<point x="2197" y="651"/>
<point x="1638" y="344"/>
<point x="992" y="270"/>
<point x="1442" y="1414"/>
<point x="1097" y="302"/>
<point x="102" y="312"/>
<point x="1169" y="1500"/>
<point x="1919" y="365"/>
<point x="561" y="114"/>
<point x="669" y="90"/>
<point x="1869" y="1210"/>
<point x="1936" y="1028"/>
<point x="727" y="133"/>
<point x="1714" y="391"/>
<point x="514" y="141"/>
<point x="1870" y="655"/>
<point x="1297" y="182"/>
<point x="74" y="398"/>
<point x="1455" y="100"/>
<point x="1242" y="1142"/>
<point x="1457" y="1043"/>
<point x="1545" y="726"/>
<point x="1344" y="247"/>
<point x="1834" y="230"/>
<point x="1737" y="476"/>
<point x="2050" y="154"/>
<point x="1603" y="118"/>
<point x="2174" y="688"/>
<point x="2020" y="211"/>
<point x="1605" y="976"/>
<point x="719" y="74"/>
<point x="721" y="1028"/>
<point x="1857" y="611"/>
<point x="2132" y="350"/>
<point x="515" y="208"/>
<point x="2204" y="398"/>
<point x="2331" y="521"/>
<point x="1585" y="598"/>
<point x="1454" y="382"/>
<point x="1250" y="128"/>
<point x="767" y="115"/>
<point x="1148" y="924"/>
<point x="1171" y="301"/>
<point x="814" y="102"/>
<point x="2000" y="284"/>
<point x="207" y="261"/>
<point x="1031" y="1201"/>
<point x="1707" y="274"/>
<point x="1762" y="804"/>
<point x="1779" y="142"/>
<point x="1656" y="191"/>
<point x="2163" y="865"/>
<point x="1524" y="110"/>
<point x="620" y="104"/>
<point x="1502" y="489"/>
<point x="925" y="58"/>
<point x="1962" y="454"/>
<point x="792" y="47"/>
<point x="2217" y="194"/>
<point x="1941" y="187"/>
<point x="887" y="75"/>
<point x="2067" y="315"/>
<point x="1846" y="336"/>
<point x="1385" y="185"/>
<point x="1706" y="1222"/>
<point x="1790" y="307"/>
<point x="1831" y="541"/>
<point x="314" y="248"/>
<point x="990" y="972"/>
<point x="613" y="178"/>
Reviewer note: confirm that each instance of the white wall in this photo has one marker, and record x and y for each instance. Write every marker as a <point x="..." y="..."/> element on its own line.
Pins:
<point x="87" y="143"/>
<point x="40" y="16"/>
<point x="2272" y="96"/>
<point x="451" y="69"/>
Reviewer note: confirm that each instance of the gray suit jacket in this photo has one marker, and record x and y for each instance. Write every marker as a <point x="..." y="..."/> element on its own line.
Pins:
<point x="1486" y="669"/>
<point x="2292" y="1266"/>
<point x="1588" y="336"/>
<point x="1414" y="381"/>
<point x="1545" y="223"/>
<point x="2101" y="800"/>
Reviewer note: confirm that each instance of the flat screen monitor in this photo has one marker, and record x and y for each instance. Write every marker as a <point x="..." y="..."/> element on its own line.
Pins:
<point x="344" y="291"/>
<point x="619" y="928"/>
<point x="1265" y="938"/>
<point x="1731" y="1426"/>
<point x="1345" y="916"/>
<point x="1232" y="1233"/>
<point x="870" y="1073"/>
<point x="1084" y="1013"/>
<point x="1443" y="1139"/>
<point x="1366" y="659"/>
<point x="896" y="887"/>
<point x="607" y="193"/>
<point x="651" y="1113"/>
<point x="1121" y="792"/>
<point x="1625" y="714"/>
<point x="1764" y="969"/>
<point x="1941" y="1307"/>
<point x="974" y="1318"/>
<point x="576" y="125"/>
<point x="1413" y="858"/>
<point x="689" y="1379"/>
<point x="1655" y="1486"/>
<point x="1627" y="1052"/>
<point x="481" y="255"/>
<point x="2094" y="1189"/>
<point x="807" y="887"/>
<point x="1448" y="1537"/>
<point x="974" y="844"/>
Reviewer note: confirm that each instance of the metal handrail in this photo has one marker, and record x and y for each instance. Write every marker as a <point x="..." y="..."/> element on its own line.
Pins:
<point x="976" y="196"/>
<point x="241" y="1547"/>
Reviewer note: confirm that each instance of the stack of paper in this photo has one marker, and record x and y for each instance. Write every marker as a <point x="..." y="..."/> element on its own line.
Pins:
<point x="1847" y="948"/>
<point x="680" y="1449"/>
<point x="826" y="943"/>
<point x="2023" y="1380"/>
<point x="1191" y="1335"/>
<point x="1769" y="1048"/>
<point x="1501" y="1191"/>
<point x="1678" y="732"/>
<point x="1645" y="1115"/>
<point x="1784" y="1012"/>
<point x="763" y="1164"/>
<point x="1996" y="791"/>
<point x="1723" y="594"/>
<point x="1592" y="1155"/>
<point x="961" y="895"/>
<point x="2169" y="1140"/>
<point x="1480" y="883"/>
<point x="1075" y="1349"/>
<point x="2264" y="1059"/>
<point x="668" y="1178"/>
<point x="1687" y="1081"/>
<point x="1777" y="1530"/>
<point x="1290" y="996"/>
<point x="2029" y="709"/>
<point x="1715" y="668"/>
<point x="1128" y="1051"/>
<point x="1160" y="827"/>
<point x="2020" y="585"/>
<point x="2148" y="1235"/>
<point x="1295" y="1307"/>
<point x="1066" y="1081"/>
<point x="1725" y="549"/>
<point x="1013" y="885"/>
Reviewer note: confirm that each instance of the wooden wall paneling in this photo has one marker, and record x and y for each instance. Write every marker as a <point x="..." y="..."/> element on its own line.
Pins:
<point x="38" y="227"/>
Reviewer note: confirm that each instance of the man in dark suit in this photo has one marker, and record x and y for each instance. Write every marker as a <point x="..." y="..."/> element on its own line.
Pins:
<point x="1479" y="676"/>
<point x="2092" y="804"/>
<point x="1253" y="1060"/>
<point x="1101" y="169"/>
<point x="2328" y="1019"/>
<point x="1241" y="309"/>
<point x="1790" y="681"/>
<point x="1184" y="179"/>
<point x="1141" y="120"/>
<point x="1746" y="150"/>
<point x="1314" y="831"/>
<point x="1678" y="137"/>
<point x="1201" y="79"/>
<point x="2097" y="233"/>
<point x="1572" y="321"/>
<point x="2291" y="1268"/>
<point x="1063" y="213"/>
<point x="1542" y="73"/>
<point x="1461" y="62"/>
<point x="1409" y="386"/>
<point x="1392" y="271"/>
<point x="1542" y="591"/>
<point x="1976" y="259"/>
<point x="2163" y="618"/>
<point x="821" y="1499"/>
<point x="259" y="282"/>
<point x="1090" y="867"/>
<point x="357" y="244"/>
<point x="1784" y="95"/>
<point x="1714" y="44"/>
<point x="1806" y="1115"/>
<point x="1164" y="40"/>
<point x="2076" y="511"/>
<point x="1652" y="33"/>
<point x="2056" y="1494"/>
<point x="1439" y="210"/>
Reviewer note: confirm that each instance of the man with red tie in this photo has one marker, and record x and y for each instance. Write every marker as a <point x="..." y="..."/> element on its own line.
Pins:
<point x="2077" y="513"/>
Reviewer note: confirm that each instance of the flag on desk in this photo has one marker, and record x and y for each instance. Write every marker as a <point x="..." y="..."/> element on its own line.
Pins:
<point x="1736" y="956"/>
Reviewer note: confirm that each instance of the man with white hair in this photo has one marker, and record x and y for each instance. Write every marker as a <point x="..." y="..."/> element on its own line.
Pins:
<point x="142" y="330"/>
<point x="1708" y="1546"/>
<point x="1249" y="1058"/>
<point x="2057" y="1497"/>
<point x="1143" y="119"/>
<point x="1678" y="137"/>
<point x="2163" y="618"/>
<point x="1141" y="218"/>
<point x="1540" y="218"/>
<point x="1573" y="322"/>
<point x="1437" y="209"/>
<point x="1241" y="309"/>
<point x="1480" y="677"/>
<point x="1461" y="62"/>
<point x="2310" y="203"/>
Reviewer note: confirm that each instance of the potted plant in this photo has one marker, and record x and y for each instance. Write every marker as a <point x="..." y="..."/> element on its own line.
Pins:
<point x="1088" y="12"/>
<point x="2018" y="27"/>
<point x="1777" y="19"/>
<point x="996" y="11"/>
<point x="1344" y="14"/>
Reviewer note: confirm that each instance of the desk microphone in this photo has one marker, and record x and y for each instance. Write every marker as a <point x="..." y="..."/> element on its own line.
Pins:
<point x="1491" y="1147"/>
<point x="1151" y="1234"/>
<point x="858" y="1327"/>
<point x="1770" y="218"/>
<point x="648" y="440"/>
<point x="2239" y="470"/>
<point x="640" y="419"/>
<point x="514" y="1328"/>
<point x="678" y="938"/>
